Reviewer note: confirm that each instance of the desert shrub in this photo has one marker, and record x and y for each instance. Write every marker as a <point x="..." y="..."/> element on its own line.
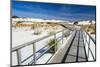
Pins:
<point x="33" y="27"/>
<point x="66" y="34"/>
<point x="50" y="33"/>
<point x="15" y="17"/>
<point x="19" y="22"/>
<point x="89" y="28"/>
<point x="37" y="32"/>
<point x="93" y="32"/>
<point x="75" y="23"/>
<point x="52" y="42"/>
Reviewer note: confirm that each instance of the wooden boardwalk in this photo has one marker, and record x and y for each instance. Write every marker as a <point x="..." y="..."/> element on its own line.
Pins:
<point x="76" y="51"/>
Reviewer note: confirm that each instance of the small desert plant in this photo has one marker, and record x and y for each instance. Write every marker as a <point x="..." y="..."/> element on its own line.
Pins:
<point x="89" y="28"/>
<point x="50" y="33"/>
<point x="15" y="17"/>
<point x="66" y="34"/>
<point x="36" y="30"/>
<point x="75" y="23"/>
<point x="54" y="42"/>
<point x="33" y="27"/>
<point x="93" y="32"/>
<point x="19" y="22"/>
<point x="37" y="33"/>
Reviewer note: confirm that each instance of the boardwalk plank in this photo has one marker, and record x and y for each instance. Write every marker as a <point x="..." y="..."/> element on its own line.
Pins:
<point x="70" y="59"/>
<point x="76" y="52"/>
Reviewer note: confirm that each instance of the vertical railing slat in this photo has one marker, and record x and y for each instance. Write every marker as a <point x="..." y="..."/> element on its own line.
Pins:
<point x="55" y="43"/>
<point x="34" y="56"/>
<point x="62" y="36"/>
<point x="18" y="56"/>
<point x="88" y="46"/>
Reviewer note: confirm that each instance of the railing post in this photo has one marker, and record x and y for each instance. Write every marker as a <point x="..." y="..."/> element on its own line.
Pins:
<point x="34" y="56"/>
<point x="18" y="56"/>
<point x="62" y="36"/>
<point x="84" y="39"/>
<point x="88" y="46"/>
<point x="55" y="42"/>
<point x="85" y="35"/>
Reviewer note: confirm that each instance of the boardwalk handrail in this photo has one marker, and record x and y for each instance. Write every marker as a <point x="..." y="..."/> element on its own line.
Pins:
<point x="61" y="52"/>
<point x="34" y="41"/>
<point x="59" y="55"/>
<point x="32" y="62"/>
<point x="88" y="38"/>
<point x="91" y="38"/>
<point x="18" y="51"/>
<point x="65" y="26"/>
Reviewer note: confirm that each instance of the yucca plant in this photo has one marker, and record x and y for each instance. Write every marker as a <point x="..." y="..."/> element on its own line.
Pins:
<point x="54" y="42"/>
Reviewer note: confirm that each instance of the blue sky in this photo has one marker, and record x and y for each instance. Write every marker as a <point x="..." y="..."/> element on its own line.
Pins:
<point x="53" y="11"/>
